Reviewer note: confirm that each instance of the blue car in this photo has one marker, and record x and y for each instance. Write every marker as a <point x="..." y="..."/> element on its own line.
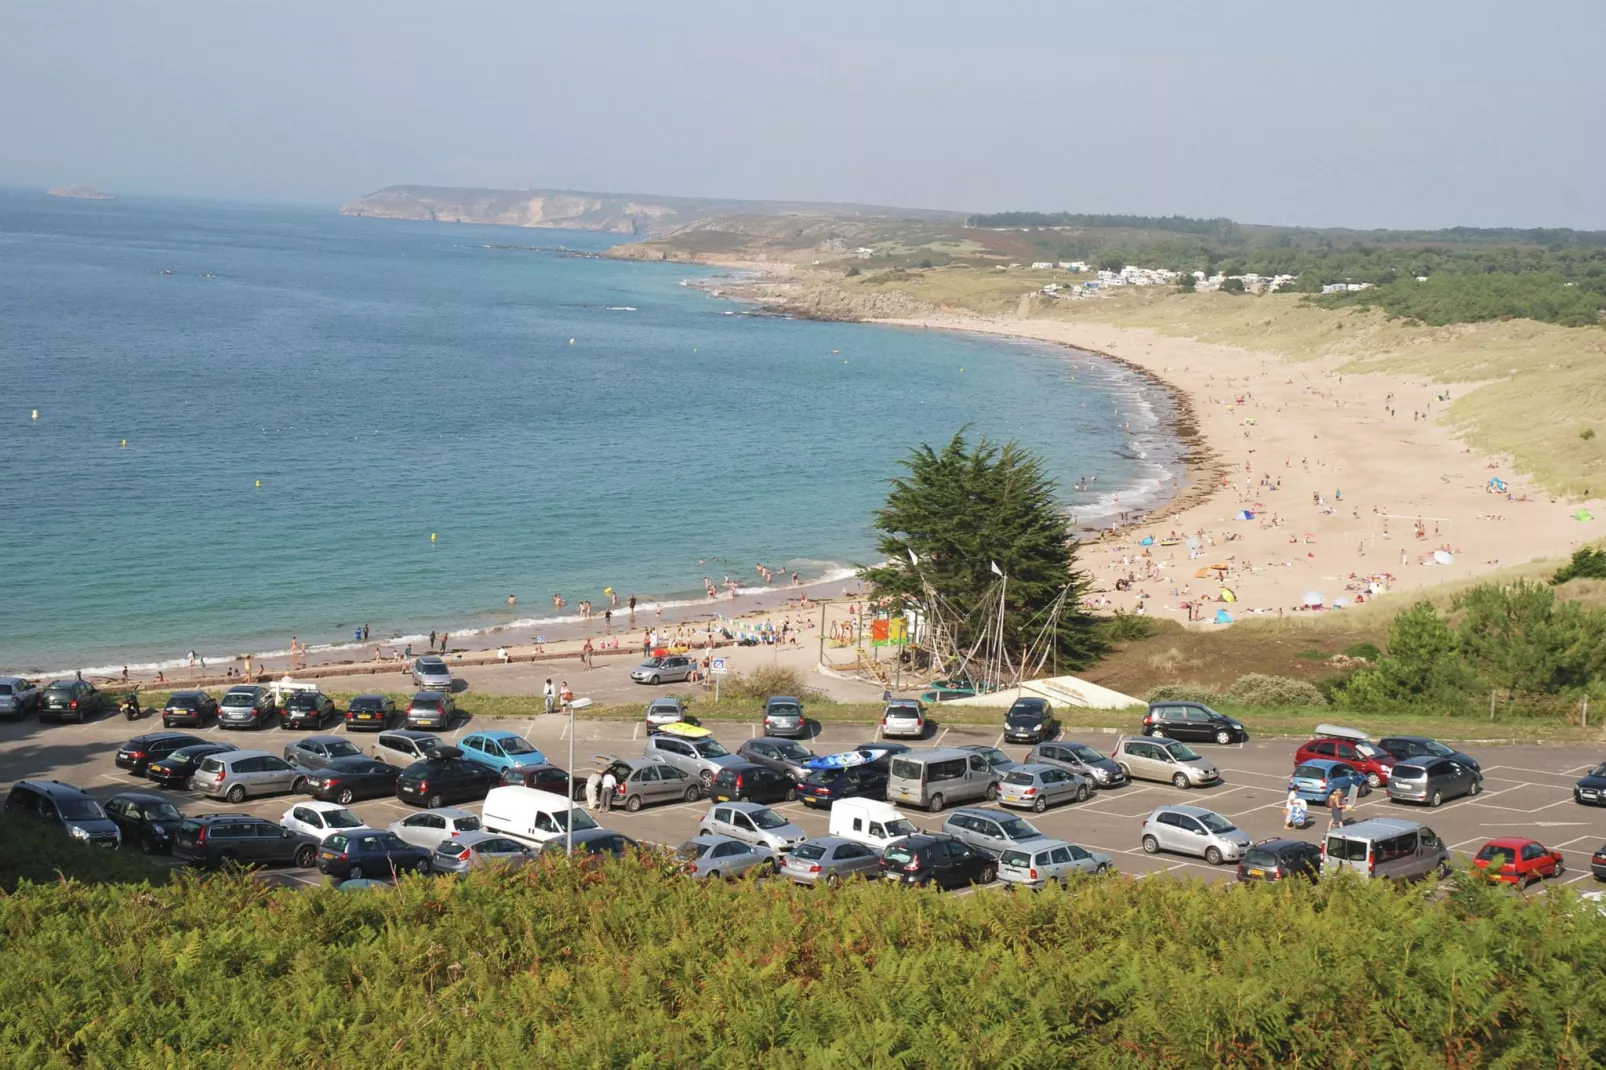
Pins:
<point x="500" y="750"/>
<point x="1318" y="778"/>
<point x="368" y="853"/>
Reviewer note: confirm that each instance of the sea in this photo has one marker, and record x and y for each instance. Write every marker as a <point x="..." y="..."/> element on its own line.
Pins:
<point x="225" y="424"/>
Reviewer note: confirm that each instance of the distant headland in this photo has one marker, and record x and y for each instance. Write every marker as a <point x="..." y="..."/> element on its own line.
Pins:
<point x="82" y="193"/>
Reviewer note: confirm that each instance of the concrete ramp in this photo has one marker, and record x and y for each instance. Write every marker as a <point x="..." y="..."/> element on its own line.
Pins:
<point x="1061" y="692"/>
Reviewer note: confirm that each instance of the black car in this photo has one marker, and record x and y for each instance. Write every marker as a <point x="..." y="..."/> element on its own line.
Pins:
<point x="544" y="778"/>
<point x="1591" y="790"/>
<point x="144" y="819"/>
<point x="138" y="753"/>
<point x="1276" y="860"/>
<point x="370" y="712"/>
<point x="1192" y="720"/>
<point x="1406" y="747"/>
<point x="822" y="787"/>
<point x="940" y="860"/>
<point x="346" y="779"/>
<point x="370" y="853"/>
<point x="216" y="839"/>
<point x="751" y="782"/>
<point x="308" y="709"/>
<point x="175" y="770"/>
<point x="191" y="709"/>
<point x="445" y="777"/>
<point x="1029" y="720"/>
<point x="70" y="700"/>
<point x="1597" y="863"/>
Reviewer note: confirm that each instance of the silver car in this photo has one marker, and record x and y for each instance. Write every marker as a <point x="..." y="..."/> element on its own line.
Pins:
<point x="992" y="831"/>
<point x="667" y="710"/>
<point x="319" y="752"/>
<point x="431" y="827"/>
<point x="782" y="755"/>
<point x="665" y="670"/>
<point x="1042" y="786"/>
<point x="471" y="850"/>
<point x="646" y="780"/>
<point x="17" y="696"/>
<point x="830" y="860"/>
<point x="1432" y="780"/>
<point x="320" y="820"/>
<point x="702" y="758"/>
<point x="431" y="709"/>
<point x="237" y="775"/>
<point x="1165" y="760"/>
<point x="1193" y="830"/>
<point x="1081" y="759"/>
<point x="905" y="718"/>
<point x="1037" y="864"/>
<point x="707" y="855"/>
<point x="999" y="762"/>
<point x="431" y="673"/>
<point x="752" y="823"/>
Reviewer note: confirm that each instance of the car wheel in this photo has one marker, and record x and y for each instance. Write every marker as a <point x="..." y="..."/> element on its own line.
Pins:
<point x="236" y="794"/>
<point x="1223" y="737"/>
<point x="1152" y="730"/>
<point x="1126" y="774"/>
<point x="992" y="792"/>
<point x="833" y="881"/>
<point x="1083" y="792"/>
<point x="298" y="785"/>
<point x="305" y="855"/>
<point x="147" y="845"/>
<point x="989" y="873"/>
<point x="1477" y="787"/>
<point x="633" y="803"/>
<point x="707" y="778"/>
<point x="693" y="793"/>
<point x="936" y="803"/>
<point x="1151" y="845"/>
<point x="166" y="723"/>
<point x="1180" y="781"/>
<point x="1213" y="855"/>
<point x="1040" y="805"/>
<point x="434" y="802"/>
<point x="654" y="681"/>
<point x="1102" y="870"/>
<point x="354" y="873"/>
<point x="1436" y="800"/>
<point x="713" y="874"/>
<point x="1561" y="867"/>
<point x="1374" y="781"/>
<point x="790" y="796"/>
<point x="345" y="797"/>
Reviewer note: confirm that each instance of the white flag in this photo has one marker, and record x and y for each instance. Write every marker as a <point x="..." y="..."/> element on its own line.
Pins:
<point x="913" y="560"/>
<point x="996" y="570"/>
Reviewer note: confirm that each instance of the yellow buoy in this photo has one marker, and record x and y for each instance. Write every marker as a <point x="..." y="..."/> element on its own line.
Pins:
<point x="571" y="341"/>
<point x="259" y="482"/>
<point x="961" y="371"/>
<point x="432" y="536"/>
<point x="125" y="443"/>
<point x="36" y="414"/>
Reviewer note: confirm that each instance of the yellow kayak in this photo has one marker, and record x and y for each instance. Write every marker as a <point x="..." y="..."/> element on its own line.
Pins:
<point x="684" y="730"/>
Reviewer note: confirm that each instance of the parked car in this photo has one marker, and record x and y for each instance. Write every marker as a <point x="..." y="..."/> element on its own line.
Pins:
<point x="144" y="819"/>
<point x="1193" y="830"/>
<point x="1403" y="747"/>
<point x="992" y="831"/>
<point x="875" y="824"/>
<point x="17" y="697"/>
<point x="1352" y="747"/>
<point x="345" y="780"/>
<point x="1038" y="863"/>
<point x="782" y="755"/>
<point x="999" y="762"/>
<point x="752" y="823"/>
<point x="370" y="713"/>
<point x="320" y="820"/>
<point x="591" y="843"/>
<point x="1165" y="760"/>
<point x="1591" y="788"/>
<point x="545" y="778"/>
<point x="1515" y="860"/>
<point x="1318" y="778"/>
<point x="1029" y="720"/>
<point x="175" y="770"/>
<point x="750" y="782"/>
<point x="354" y="855"/>
<point x="191" y="709"/>
<point x="499" y="750"/>
<point x="138" y="753"/>
<point x="702" y="758"/>
<point x="431" y="673"/>
<point x="71" y="809"/>
<point x="939" y="776"/>
<point x="905" y="718"/>
<point x="1038" y="787"/>
<point x="1192" y="720"/>
<point x="237" y="775"/>
<point x="783" y="717"/>
<point x="1279" y="859"/>
<point x="1079" y="758"/>
<point x="70" y="700"/>
<point x="432" y="827"/>
<point x="882" y="752"/>
<point x="1385" y="847"/>
<point x="215" y="840"/>
<point x="936" y="860"/>
<point x="1432" y="780"/>
<point x="406" y="747"/>
<point x="306" y="708"/>
<point x="830" y="860"/>
<point x="706" y="856"/>
<point x="431" y="709"/>
<point x="246" y="706"/>
<point x="669" y="669"/>
<point x="444" y="777"/>
<point x="1597" y="863"/>
<point x="667" y="709"/>
<point x="822" y="787"/>
<point x="473" y="849"/>
<point x="531" y="816"/>
<point x="317" y="752"/>
<point x="639" y="781"/>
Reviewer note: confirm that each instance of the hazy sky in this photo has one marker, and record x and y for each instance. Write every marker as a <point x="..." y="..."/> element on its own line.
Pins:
<point x="1345" y="112"/>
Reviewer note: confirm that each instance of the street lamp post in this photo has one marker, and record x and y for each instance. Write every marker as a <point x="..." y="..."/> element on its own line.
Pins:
<point x="568" y="835"/>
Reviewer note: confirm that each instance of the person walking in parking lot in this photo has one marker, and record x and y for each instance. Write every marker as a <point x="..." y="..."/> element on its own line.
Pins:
<point x="548" y="694"/>
<point x="609" y="786"/>
<point x="1335" y="810"/>
<point x="593" y="790"/>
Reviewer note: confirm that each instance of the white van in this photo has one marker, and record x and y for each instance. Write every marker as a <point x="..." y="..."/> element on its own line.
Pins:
<point x="872" y="823"/>
<point x="531" y="816"/>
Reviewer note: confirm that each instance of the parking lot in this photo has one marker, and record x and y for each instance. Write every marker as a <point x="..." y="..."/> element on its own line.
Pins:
<point x="1527" y="789"/>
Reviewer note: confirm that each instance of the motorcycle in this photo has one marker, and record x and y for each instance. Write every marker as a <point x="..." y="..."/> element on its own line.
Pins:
<point x="131" y="708"/>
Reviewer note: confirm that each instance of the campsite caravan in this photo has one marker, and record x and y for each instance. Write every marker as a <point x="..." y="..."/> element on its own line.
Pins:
<point x="531" y="816"/>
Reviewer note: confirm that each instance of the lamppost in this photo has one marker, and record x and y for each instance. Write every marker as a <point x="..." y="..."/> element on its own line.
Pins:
<point x="568" y="834"/>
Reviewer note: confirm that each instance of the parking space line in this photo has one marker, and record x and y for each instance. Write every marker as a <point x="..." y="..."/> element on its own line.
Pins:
<point x="634" y="730"/>
<point x="938" y="740"/>
<point x="1575" y="770"/>
<point x="1525" y="769"/>
<point x="1251" y="772"/>
<point x="1000" y="741"/>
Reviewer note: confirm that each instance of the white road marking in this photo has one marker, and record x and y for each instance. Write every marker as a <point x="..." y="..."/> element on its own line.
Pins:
<point x="938" y="740"/>
<point x="1525" y="769"/>
<point x="634" y="730"/>
<point x="1000" y="740"/>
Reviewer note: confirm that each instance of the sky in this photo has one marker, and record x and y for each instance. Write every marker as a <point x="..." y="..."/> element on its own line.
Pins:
<point x="1363" y="113"/>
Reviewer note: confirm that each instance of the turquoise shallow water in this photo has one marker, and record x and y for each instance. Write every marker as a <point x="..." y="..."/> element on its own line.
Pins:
<point x="388" y="380"/>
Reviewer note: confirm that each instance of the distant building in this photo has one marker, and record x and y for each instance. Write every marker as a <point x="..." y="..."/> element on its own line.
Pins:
<point x="1042" y="265"/>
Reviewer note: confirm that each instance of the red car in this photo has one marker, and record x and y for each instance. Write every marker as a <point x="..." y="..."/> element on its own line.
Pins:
<point x="1367" y="757"/>
<point x="1517" y="861"/>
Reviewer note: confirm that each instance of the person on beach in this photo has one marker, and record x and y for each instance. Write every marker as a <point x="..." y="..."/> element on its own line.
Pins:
<point x="646" y="645"/>
<point x="548" y="694"/>
<point x="585" y="653"/>
<point x="632" y="605"/>
<point x="365" y="633"/>
<point x="432" y="640"/>
<point x="125" y="674"/>
<point x="607" y="622"/>
<point x="512" y="601"/>
<point x="445" y="638"/>
<point x="566" y="696"/>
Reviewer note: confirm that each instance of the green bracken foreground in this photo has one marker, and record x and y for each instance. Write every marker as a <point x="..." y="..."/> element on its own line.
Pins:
<point x="632" y="965"/>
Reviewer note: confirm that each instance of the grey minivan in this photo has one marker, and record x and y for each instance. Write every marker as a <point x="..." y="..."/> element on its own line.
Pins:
<point x="934" y="778"/>
<point x="992" y="831"/>
<point x="1165" y="760"/>
<point x="74" y="809"/>
<point x="1432" y="780"/>
<point x="702" y="758"/>
<point x="1193" y="830"/>
<point x="234" y="775"/>
<point x="1386" y="847"/>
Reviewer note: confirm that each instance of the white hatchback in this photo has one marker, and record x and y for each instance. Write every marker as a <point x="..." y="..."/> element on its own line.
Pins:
<point x="320" y="819"/>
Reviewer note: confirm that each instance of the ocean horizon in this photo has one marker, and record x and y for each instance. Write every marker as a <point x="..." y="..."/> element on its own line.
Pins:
<point x="234" y="423"/>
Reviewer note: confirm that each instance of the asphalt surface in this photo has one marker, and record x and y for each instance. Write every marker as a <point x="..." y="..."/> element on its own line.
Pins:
<point x="1527" y="790"/>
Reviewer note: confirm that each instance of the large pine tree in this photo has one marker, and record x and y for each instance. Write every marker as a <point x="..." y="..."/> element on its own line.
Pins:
<point x="958" y="511"/>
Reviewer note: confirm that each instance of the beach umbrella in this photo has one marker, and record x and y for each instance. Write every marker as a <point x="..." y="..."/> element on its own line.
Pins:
<point x="1201" y="574"/>
<point x="1147" y="540"/>
<point x="1443" y="557"/>
<point x="1223" y="617"/>
<point x="1246" y="514"/>
<point x="1313" y="598"/>
<point x="1220" y="568"/>
<point x="1582" y="514"/>
<point x="1228" y="595"/>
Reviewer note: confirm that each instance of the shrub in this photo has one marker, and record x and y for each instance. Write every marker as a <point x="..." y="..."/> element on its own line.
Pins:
<point x="852" y="271"/>
<point x="1269" y="692"/>
<point x="1587" y="563"/>
<point x="1127" y="627"/>
<point x="1368" y="651"/>
<point x="1587" y="434"/>
<point x="764" y="681"/>
<point x="1185" y="693"/>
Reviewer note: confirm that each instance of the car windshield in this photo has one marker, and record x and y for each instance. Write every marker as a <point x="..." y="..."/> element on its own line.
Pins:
<point x="822" y="776"/>
<point x="1437" y="749"/>
<point x="189" y="754"/>
<point x="691" y="851"/>
<point x="1409" y="772"/>
<point x="1216" y="823"/>
<point x="582" y="820"/>
<point x="785" y="709"/>
<point x="366" y="702"/>
<point x="654" y="663"/>
<point x="238" y="698"/>
<point x="1599" y="770"/>
<point x="1085" y="753"/>
<point x="79" y="809"/>
<point x="182" y="702"/>
<point x="1013" y="858"/>
<point x="516" y="745"/>
<point x="1019" y="778"/>
<point x="994" y="756"/>
<point x="810" y="851"/>
<point x="1016" y="829"/>
<point x="1261" y="859"/>
<point x="767" y="819"/>
<point x="467" y="824"/>
<point x="1370" y="750"/>
<point x="1491" y="851"/>
<point x="795" y="752"/>
<point x="1182" y="752"/>
<point x="342" y="749"/>
<point x="710" y="748"/>
<point x="342" y="819"/>
<point x="162" y="811"/>
<point x="301" y="700"/>
<point x="1311" y="772"/>
<point x="5" y="689"/>
<point x="431" y="665"/>
<point x="900" y="827"/>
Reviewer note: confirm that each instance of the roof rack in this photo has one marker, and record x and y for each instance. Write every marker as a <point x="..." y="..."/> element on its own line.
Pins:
<point x="1340" y="732"/>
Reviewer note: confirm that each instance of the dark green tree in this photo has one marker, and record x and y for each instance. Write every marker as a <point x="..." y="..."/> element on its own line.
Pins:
<point x="1587" y="563"/>
<point x="960" y="510"/>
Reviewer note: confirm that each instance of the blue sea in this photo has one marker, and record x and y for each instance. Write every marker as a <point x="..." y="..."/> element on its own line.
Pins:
<point x="262" y="421"/>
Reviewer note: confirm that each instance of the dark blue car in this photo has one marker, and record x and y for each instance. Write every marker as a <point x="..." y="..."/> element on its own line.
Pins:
<point x="370" y="853"/>
<point x="823" y="787"/>
<point x="1591" y="789"/>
